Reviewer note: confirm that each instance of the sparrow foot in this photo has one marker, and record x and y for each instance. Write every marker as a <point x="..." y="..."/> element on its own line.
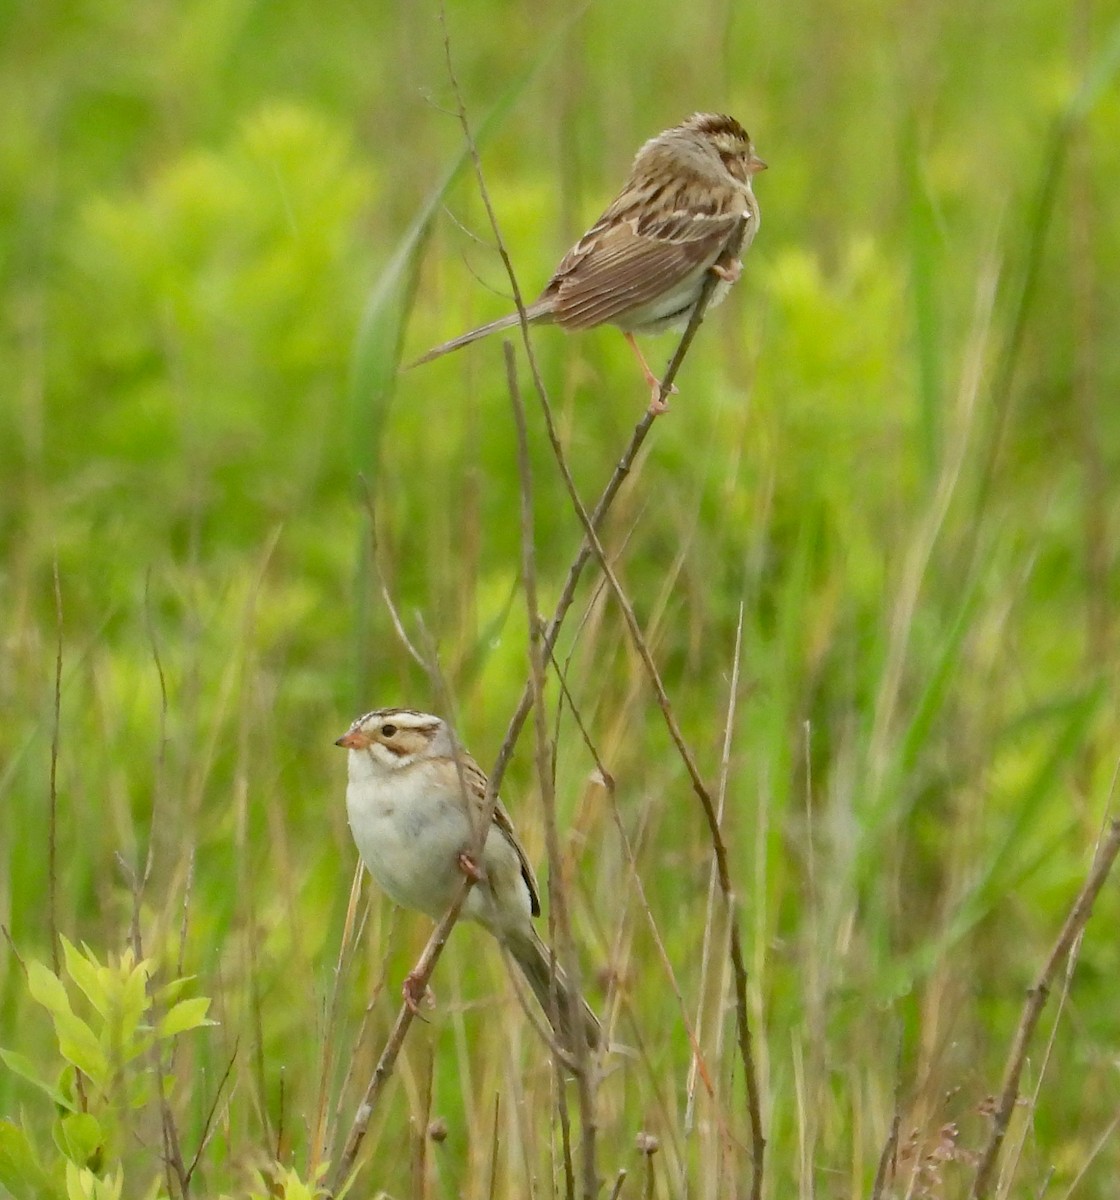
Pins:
<point x="414" y="992"/>
<point x="729" y="272"/>
<point x="657" y="406"/>
<point x="470" y="868"/>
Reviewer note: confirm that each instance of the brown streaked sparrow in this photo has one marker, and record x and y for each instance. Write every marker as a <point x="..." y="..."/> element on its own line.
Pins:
<point x="413" y="798"/>
<point x="687" y="208"/>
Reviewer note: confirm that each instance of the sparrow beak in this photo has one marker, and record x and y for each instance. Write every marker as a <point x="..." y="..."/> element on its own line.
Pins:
<point x="756" y="164"/>
<point x="353" y="739"/>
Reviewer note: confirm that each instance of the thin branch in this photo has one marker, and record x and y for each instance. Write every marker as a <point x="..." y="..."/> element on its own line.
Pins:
<point x="386" y="595"/>
<point x="319" y="1134"/>
<point x="598" y="513"/>
<point x="593" y="546"/>
<point x="558" y="906"/>
<point x="698" y="1068"/>
<point x="699" y="787"/>
<point x="885" y="1171"/>
<point x="1036" y="1000"/>
<point x="208" y="1125"/>
<point x="52" y="826"/>
<point x="421" y="973"/>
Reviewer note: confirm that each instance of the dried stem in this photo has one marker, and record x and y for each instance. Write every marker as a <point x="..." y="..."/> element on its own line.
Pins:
<point x="591" y="546"/>
<point x="558" y="901"/>
<point x="421" y="973"/>
<point x="707" y="804"/>
<point x="52" y="826"/>
<point x="1036" y="1000"/>
<point x="546" y="644"/>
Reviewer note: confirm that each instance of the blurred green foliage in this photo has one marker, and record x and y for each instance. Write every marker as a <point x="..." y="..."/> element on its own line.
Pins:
<point x="893" y="456"/>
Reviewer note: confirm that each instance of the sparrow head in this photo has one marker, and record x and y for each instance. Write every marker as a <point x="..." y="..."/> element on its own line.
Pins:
<point x="713" y="145"/>
<point x="730" y="141"/>
<point x="397" y="737"/>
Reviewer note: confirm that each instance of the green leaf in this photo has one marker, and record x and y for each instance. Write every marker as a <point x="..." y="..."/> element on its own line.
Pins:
<point x="187" y="1014"/>
<point x="47" y="989"/>
<point x="83" y="1184"/>
<point x="170" y="992"/>
<point x="21" y="1174"/>
<point x="21" y="1065"/>
<point x="140" y="1042"/>
<point x="134" y="999"/>
<point x="88" y="974"/>
<point x="141" y="1090"/>
<point x="78" y="1045"/>
<point x="80" y="1138"/>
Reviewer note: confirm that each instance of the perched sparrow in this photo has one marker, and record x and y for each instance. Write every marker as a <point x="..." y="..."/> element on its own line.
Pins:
<point x="413" y="797"/>
<point x="686" y="209"/>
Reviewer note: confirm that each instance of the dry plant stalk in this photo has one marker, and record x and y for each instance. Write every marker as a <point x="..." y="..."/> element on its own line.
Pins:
<point x="541" y="649"/>
<point x="591" y="538"/>
<point x="1037" y="996"/>
<point x="425" y="965"/>
<point x="558" y="906"/>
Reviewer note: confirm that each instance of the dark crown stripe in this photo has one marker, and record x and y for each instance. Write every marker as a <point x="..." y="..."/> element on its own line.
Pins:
<point x="716" y="123"/>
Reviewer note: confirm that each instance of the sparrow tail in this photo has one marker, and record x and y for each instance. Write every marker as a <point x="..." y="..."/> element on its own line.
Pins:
<point x="536" y="312"/>
<point x="556" y="997"/>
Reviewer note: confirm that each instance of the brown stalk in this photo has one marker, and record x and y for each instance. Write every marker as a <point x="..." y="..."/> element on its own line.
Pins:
<point x="421" y="973"/>
<point x="558" y="901"/>
<point x="1037" y="996"/>
<point x="699" y="787"/>
<point x="319" y="1124"/>
<point x="52" y="825"/>
<point x="591" y="545"/>
<point x="434" y="948"/>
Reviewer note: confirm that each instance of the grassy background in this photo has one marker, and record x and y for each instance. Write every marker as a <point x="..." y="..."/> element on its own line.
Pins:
<point x="893" y="452"/>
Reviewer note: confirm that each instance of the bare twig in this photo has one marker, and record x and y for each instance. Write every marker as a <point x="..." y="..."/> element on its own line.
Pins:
<point x="421" y="973"/>
<point x="591" y="546"/>
<point x="884" y="1173"/>
<point x="1031" y="1103"/>
<point x="1075" y="922"/>
<point x="208" y="1124"/>
<point x="602" y="506"/>
<point x="558" y="905"/>
<point x="719" y="847"/>
<point x="709" y="915"/>
<point x="888" y="1157"/>
<point x="52" y="826"/>
<point x="319" y="1133"/>
<point x="386" y="594"/>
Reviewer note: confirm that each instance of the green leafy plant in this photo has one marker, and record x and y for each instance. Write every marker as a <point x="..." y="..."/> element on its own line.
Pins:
<point x="116" y="1038"/>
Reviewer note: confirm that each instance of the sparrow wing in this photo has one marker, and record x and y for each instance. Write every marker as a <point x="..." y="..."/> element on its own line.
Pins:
<point x="474" y="779"/>
<point x="629" y="259"/>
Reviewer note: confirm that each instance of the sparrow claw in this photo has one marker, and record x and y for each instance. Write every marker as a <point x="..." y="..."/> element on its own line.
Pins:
<point x="657" y="406"/>
<point x="415" y="992"/>
<point x="470" y="868"/>
<point x="729" y="273"/>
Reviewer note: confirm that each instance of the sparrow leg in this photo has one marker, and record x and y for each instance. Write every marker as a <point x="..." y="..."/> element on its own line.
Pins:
<point x="415" y="993"/>
<point x="470" y="868"/>
<point x="657" y="406"/>
<point x="729" y="272"/>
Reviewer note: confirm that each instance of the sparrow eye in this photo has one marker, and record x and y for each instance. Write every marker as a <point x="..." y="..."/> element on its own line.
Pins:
<point x="388" y="731"/>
